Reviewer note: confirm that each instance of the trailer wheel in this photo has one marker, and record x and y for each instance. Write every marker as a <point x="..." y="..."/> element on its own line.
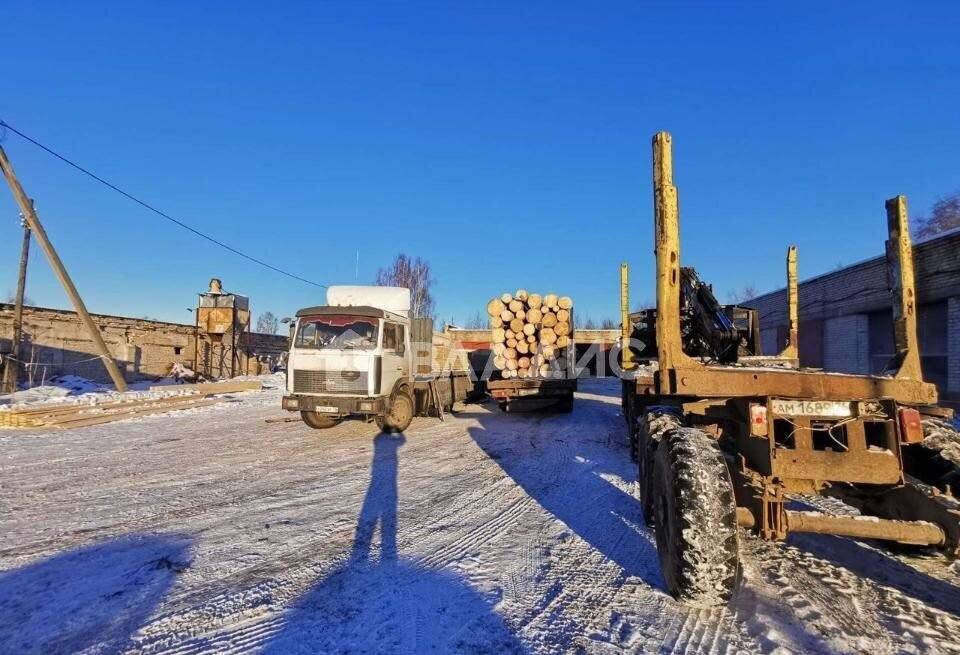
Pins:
<point x="650" y="430"/>
<point x="936" y="460"/>
<point x="400" y="415"/>
<point x="696" y="519"/>
<point x="318" y="421"/>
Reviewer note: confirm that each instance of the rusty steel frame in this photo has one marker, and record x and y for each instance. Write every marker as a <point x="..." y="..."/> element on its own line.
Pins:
<point x="717" y="398"/>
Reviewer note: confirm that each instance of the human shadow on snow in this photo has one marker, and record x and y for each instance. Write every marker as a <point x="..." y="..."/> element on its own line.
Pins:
<point x="377" y="602"/>
<point x="93" y="598"/>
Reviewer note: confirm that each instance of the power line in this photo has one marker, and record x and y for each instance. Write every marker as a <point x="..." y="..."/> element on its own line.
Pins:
<point x="153" y="209"/>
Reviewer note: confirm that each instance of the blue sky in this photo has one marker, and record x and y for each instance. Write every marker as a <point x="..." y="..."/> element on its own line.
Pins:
<point x="461" y="132"/>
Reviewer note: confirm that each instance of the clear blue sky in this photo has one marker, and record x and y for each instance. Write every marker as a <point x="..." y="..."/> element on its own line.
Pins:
<point x="302" y="132"/>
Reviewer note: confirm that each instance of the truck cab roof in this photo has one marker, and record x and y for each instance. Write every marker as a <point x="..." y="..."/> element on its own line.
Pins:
<point x="349" y="310"/>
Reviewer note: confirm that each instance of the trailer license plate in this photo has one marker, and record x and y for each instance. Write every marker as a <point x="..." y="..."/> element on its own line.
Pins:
<point x="832" y="408"/>
<point x="326" y="410"/>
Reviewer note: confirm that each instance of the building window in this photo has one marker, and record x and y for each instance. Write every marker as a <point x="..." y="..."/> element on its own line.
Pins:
<point x="176" y="350"/>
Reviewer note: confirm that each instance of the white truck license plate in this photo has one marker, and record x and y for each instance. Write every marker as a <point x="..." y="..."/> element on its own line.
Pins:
<point x="326" y="410"/>
<point x="832" y="408"/>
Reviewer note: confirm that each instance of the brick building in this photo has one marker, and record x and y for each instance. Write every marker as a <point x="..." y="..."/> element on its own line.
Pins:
<point x="846" y="322"/>
<point x="56" y="343"/>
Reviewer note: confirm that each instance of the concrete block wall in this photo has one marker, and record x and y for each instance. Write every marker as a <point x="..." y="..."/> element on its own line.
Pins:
<point x="846" y="341"/>
<point x="953" y="347"/>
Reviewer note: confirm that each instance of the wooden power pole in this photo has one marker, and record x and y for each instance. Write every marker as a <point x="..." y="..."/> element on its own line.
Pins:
<point x="11" y="372"/>
<point x="34" y="224"/>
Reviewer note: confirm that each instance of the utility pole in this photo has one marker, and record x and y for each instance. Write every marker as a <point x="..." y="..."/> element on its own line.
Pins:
<point x="34" y="224"/>
<point x="11" y="372"/>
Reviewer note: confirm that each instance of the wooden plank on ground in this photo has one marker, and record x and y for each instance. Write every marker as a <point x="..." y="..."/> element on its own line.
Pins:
<point x="213" y="387"/>
<point x="84" y="421"/>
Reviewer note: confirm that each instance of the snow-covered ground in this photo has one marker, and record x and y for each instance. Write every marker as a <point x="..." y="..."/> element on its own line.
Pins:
<point x="213" y="531"/>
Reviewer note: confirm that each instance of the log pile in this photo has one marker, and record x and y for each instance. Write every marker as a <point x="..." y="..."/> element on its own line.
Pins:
<point x="532" y="335"/>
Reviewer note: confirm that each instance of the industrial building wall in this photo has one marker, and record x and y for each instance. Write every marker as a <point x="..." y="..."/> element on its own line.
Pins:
<point x="846" y="321"/>
<point x="55" y="343"/>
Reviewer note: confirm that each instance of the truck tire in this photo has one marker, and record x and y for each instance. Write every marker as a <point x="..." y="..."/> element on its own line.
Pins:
<point x="655" y="423"/>
<point x="318" y="421"/>
<point x="696" y="519"/>
<point x="400" y="414"/>
<point x="936" y="459"/>
<point x="565" y="406"/>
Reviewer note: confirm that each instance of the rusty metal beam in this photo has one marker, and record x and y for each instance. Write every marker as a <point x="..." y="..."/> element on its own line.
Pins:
<point x="626" y="327"/>
<point x="902" y="286"/>
<point x="666" y="215"/>
<point x="920" y="533"/>
<point x="791" y="351"/>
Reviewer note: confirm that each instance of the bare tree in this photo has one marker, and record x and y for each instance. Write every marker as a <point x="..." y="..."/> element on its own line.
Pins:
<point x="645" y="304"/>
<point x="12" y="298"/>
<point x="944" y="216"/>
<point x="589" y="325"/>
<point x="608" y="324"/>
<point x="414" y="274"/>
<point x="267" y="323"/>
<point x="476" y="322"/>
<point x="749" y="292"/>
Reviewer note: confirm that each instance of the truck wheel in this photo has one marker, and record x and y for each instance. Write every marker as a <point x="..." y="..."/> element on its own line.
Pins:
<point x="650" y="429"/>
<point x="318" y="421"/>
<point x="566" y="405"/>
<point x="696" y="519"/>
<point x="400" y="415"/>
<point x="935" y="460"/>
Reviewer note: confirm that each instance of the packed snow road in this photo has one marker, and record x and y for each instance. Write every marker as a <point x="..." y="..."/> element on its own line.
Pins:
<point x="213" y="531"/>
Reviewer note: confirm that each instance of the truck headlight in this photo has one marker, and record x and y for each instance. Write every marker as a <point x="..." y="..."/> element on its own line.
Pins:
<point x="291" y="403"/>
<point x="366" y="406"/>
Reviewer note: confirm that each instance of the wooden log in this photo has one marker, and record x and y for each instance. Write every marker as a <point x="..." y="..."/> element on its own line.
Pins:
<point x="534" y="316"/>
<point x="496" y="321"/>
<point x="565" y="302"/>
<point x="549" y="352"/>
<point x="532" y="339"/>
<point x="512" y="342"/>
<point x="515" y="306"/>
<point x="563" y="316"/>
<point x="523" y="347"/>
<point x="215" y="387"/>
<point x="499" y="362"/>
<point x="544" y="370"/>
<point x="516" y="325"/>
<point x="548" y="336"/>
<point x="510" y="353"/>
<point x="498" y="348"/>
<point x="561" y="328"/>
<point x="549" y="320"/>
<point x="563" y="341"/>
<point x="495" y="306"/>
<point x="509" y="334"/>
<point x="529" y="329"/>
<point x="506" y="298"/>
<point x="521" y="295"/>
<point x="506" y="316"/>
<point x="550" y="300"/>
<point x="534" y="300"/>
<point x="498" y="335"/>
<point x="523" y="362"/>
<point x="512" y="364"/>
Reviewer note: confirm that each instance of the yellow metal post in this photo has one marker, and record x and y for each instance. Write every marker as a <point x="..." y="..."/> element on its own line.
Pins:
<point x="901" y="280"/>
<point x="666" y="216"/>
<point x="625" y="327"/>
<point x="791" y="351"/>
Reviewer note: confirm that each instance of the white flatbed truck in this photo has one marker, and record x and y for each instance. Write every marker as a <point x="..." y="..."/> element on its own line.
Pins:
<point x="362" y="355"/>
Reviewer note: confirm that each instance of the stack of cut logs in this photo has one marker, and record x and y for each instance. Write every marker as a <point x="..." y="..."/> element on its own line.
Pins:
<point x="532" y="334"/>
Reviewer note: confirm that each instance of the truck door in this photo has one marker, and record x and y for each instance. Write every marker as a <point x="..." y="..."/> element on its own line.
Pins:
<point x="394" y="356"/>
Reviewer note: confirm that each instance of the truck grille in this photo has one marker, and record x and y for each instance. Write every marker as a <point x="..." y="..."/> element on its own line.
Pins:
<point x="330" y="382"/>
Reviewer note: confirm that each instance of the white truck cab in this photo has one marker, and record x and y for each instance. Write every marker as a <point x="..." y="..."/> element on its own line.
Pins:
<point x="352" y="356"/>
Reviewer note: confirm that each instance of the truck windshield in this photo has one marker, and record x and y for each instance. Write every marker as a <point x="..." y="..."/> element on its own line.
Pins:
<point x="337" y="333"/>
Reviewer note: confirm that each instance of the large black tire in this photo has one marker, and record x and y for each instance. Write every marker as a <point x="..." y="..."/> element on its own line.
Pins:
<point x="400" y="415"/>
<point x="656" y="422"/>
<point x="696" y="519"/>
<point x="935" y="460"/>
<point x="318" y="421"/>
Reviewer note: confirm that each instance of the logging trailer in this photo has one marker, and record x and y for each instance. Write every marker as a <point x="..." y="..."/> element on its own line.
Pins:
<point x="724" y="446"/>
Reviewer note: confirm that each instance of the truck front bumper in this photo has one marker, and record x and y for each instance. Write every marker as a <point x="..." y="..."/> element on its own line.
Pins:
<point x="334" y="405"/>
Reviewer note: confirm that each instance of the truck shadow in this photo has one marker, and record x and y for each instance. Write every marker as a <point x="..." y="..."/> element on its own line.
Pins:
<point x="90" y="599"/>
<point x="568" y="467"/>
<point x="376" y="602"/>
